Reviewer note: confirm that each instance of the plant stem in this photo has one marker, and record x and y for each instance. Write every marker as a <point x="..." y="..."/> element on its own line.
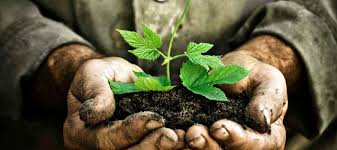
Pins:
<point x="161" y="54"/>
<point x="172" y="38"/>
<point x="172" y="58"/>
<point x="177" y="56"/>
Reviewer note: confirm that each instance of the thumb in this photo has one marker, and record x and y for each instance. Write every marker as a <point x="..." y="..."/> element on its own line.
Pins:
<point x="97" y="109"/>
<point x="90" y="89"/>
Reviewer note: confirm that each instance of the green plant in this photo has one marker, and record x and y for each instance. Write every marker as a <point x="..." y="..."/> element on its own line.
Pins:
<point x="194" y="73"/>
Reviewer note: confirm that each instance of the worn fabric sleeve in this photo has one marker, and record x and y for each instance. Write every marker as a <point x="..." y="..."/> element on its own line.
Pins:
<point x="314" y="41"/>
<point x="26" y="38"/>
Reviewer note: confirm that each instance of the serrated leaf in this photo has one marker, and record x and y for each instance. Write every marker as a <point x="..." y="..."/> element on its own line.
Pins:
<point x="151" y="84"/>
<point x="144" y="83"/>
<point x="228" y="74"/>
<point x="162" y="79"/>
<point x="146" y="48"/>
<point x="206" y="61"/>
<point x="194" y="53"/>
<point x="152" y="38"/>
<point x="123" y="88"/>
<point x="210" y="92"/>
<point x="191" y="74"/>
<point x="146" y="53"/>
<point x="194" y="48"/>
<point x="132" y="38"/>
<point x="196" y="78"/>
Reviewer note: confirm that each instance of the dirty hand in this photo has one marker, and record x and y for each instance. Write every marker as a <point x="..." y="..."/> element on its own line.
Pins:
<point x="267" y="86"/>
<point x="275" y="71"/>
<point x="268" y="106"/>
<point x="90" y="101"/>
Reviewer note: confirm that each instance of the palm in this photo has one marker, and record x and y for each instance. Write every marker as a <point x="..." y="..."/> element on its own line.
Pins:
<point x="90" y="101"/>
<point x="268" y="106"/>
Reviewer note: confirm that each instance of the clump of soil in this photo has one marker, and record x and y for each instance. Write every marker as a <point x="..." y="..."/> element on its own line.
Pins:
<point x="181" y="108"/>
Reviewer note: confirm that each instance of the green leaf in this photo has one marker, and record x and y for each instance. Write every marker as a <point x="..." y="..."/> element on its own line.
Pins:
<point x="123" y="88"/>
<point x="162" y="79"/>
<point x="206" y="61"/>
<point x="152" y="38"/>
<point x="151" y="84"/>
<point x="194" y="53"/>
<point x="210" y="92"/>
<point x="145" y="48"/>
<point x="132" y="38"/>
<point x="191" y="74"/>
<point x="146" y="53"/>
<point x="194" y="48"/>
<point x="228" y="75"/>
<point x="196" y="78"/>
<point x="144" y="83"/>
<point x="141" y="74"/>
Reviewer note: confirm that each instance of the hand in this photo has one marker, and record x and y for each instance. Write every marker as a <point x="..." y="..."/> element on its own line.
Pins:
<point x="90" y="101"/>
<point x="268" y="106"/>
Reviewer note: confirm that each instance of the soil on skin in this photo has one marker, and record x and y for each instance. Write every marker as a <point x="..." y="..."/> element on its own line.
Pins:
<point x="181" y="108"/>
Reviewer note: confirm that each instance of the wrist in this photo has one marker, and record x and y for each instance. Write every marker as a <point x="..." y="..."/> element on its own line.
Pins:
<point x="271" y="50"/>
<point x="63" y="63"/>
<point x="53" y="79"/>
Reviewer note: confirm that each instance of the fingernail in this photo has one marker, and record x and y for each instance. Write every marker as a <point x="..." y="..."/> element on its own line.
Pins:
<point x="267" y="116"/>
<point x="167" y="140"/>
<point x="168" y="136"/>
<point x="198" y="142"/>
<point x="152" y="124"/>
<point x="221" y="133"/>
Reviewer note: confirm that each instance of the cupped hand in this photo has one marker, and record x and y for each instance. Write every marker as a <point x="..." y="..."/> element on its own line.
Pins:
<point x="90" y="101"/>
<point x="267" y="106"/>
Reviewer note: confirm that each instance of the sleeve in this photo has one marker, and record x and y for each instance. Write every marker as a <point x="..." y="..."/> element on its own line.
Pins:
<point x="314" y="40"/>
<point x="26" y="38"/>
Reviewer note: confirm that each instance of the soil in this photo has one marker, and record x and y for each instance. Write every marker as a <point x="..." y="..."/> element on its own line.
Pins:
<point x="181" y="108"/>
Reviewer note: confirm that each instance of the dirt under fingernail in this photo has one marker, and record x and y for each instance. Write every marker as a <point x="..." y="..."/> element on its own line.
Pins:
<point x="152" y="124"/>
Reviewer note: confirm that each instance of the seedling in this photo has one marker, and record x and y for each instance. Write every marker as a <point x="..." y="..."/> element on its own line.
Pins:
<point x="195" y="73"/>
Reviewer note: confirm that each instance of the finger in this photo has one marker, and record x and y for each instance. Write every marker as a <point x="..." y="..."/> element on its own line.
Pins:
<point x="123" y="70"/>
<point x="181" y="138"/>
<point x="93" y="88"/>
<point x="161" y="139"/>
<point x="119" y="135"/>
<point x="269" y="96"/>
<point x="234" y="136"/>
<point x="197" y="138"/>
<point x="73" y="105"/>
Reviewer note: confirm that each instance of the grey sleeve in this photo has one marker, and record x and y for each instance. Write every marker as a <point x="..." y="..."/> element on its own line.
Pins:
<point x="26" y="38"/>
<point x="314" y="40"/>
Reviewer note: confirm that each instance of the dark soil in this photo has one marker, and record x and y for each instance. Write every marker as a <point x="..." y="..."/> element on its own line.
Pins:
<point x="182" y="108"/>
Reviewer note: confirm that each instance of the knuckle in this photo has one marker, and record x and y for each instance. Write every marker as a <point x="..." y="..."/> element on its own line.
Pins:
<point x="117" y="60"/>
<point x="104" y="141"/>
<point x="92" y="62"/>
<point x="89" y="66"/>
<point x="120" y="59"/>
<point x="66" y="139"/>
<point x="69" y="135"/>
